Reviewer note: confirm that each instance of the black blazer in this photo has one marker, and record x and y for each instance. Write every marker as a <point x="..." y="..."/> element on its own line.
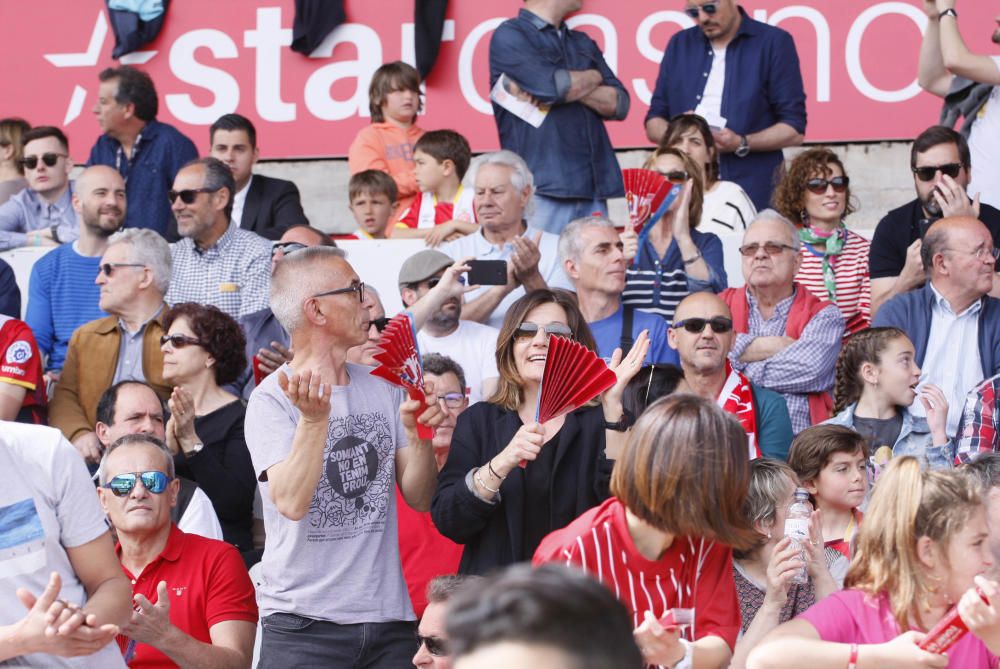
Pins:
<point x="493" y="534"/>
<point x="272" y="206"/>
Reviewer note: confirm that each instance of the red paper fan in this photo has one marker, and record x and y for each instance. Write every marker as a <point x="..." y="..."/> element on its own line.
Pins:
<point x="644" y="193"/>
<point x="399" y="363"/>
<point x="573" y="376"/>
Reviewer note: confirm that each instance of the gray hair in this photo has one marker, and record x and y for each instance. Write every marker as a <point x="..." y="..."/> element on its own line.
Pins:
<point x="148" y="248"/>
<point x="520" y="175"/>
<point x="441" y="588"/>
<point x="772" y="215"/>
<point x="217" y="176"/>
<point x="295" y="279"/>
<point x="769" y="483"/>
<point x="935" y="241"/>
<point x="570" y="247"/>
<point x="132" y="440"/>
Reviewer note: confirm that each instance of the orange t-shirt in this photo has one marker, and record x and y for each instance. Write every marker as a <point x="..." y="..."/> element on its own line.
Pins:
<point x="387" y="147"/>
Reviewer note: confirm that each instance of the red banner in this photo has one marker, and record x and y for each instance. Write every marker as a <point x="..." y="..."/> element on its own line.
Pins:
<point x="859" y="63"/>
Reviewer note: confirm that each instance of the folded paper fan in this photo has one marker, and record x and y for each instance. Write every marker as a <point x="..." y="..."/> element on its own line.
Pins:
<point x="573" y="376"/>
<point x="400" y="364"/>
<point x="644" y="193"/>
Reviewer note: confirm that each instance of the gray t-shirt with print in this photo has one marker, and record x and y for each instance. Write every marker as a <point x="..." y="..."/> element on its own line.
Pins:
<point x="341" y="561"/>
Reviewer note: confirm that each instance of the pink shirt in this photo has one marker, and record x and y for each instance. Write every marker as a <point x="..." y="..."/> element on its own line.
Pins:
<point x="851" y="616"/>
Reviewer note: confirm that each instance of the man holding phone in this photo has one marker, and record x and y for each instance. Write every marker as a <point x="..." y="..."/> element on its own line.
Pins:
<point x="941" y="165"/>
<point x="504" y="189"/>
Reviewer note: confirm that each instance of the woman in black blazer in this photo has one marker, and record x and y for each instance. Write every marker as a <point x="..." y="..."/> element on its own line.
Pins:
<point x="485" y="500"/>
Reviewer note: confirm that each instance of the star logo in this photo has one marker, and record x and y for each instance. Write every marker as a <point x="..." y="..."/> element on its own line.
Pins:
<point x="89" y="58"/>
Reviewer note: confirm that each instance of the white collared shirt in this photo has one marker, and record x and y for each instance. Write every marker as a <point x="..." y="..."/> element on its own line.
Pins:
<point x="238" y="201"/>
<point x="951" y="361"/>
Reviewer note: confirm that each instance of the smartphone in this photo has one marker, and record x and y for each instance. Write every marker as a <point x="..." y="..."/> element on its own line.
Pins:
<point x="487" y="272"/>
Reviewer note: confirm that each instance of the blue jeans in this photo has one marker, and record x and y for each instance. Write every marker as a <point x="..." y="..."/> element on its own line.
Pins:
<point x="291" y="640"/>
<point x="553" y="214"/>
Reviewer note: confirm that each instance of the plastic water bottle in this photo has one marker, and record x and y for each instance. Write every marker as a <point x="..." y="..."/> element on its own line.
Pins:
<point x="797" y="528"/>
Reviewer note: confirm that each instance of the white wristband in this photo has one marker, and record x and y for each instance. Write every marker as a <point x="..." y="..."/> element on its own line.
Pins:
<point x="685" y="662"/>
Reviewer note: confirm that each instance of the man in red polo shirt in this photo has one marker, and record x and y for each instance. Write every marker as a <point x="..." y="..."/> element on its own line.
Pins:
<point x="22" y="388"/>
<point x="194" y="602"/>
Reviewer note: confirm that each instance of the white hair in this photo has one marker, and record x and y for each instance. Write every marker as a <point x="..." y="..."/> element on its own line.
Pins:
<point x="772" y="215"/>
<point x="296" y="278"/>
<point x="148" y="248"/>
<point x="520" y="175"/>
<point x="570" y="247"/>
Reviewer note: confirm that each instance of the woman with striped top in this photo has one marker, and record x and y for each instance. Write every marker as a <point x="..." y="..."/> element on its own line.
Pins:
<point x="674" y="259"/>
<point x="816" y="196"/>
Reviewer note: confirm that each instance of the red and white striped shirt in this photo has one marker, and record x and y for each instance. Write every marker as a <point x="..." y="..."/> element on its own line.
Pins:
<point x="693" y="573"/>
<point x="850" y="269"/>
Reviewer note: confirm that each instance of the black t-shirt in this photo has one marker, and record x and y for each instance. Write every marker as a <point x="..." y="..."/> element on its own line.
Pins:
<point x="879" y="431"/>
<point x="537" y="501"/>
<point x="901" y="227"/>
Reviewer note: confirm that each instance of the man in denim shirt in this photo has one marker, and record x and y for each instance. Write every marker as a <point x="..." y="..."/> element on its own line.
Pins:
<point x="743" y="77"/>
<point x="147" y="153"/>
<point x="562" y="70"/>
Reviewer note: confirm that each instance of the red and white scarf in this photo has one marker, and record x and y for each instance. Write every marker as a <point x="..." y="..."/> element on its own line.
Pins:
<point x="737" y="398"/>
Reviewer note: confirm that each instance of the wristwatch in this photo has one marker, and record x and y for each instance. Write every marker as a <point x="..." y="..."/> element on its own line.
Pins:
<point x="948" y="12"/>
<point x="623" y="424"/>
<point x="195" y="449"/>
<point x="744" y="148"/>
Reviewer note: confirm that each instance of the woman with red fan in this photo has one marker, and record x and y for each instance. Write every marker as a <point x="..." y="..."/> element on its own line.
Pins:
<point x="673" y="258"/>
<point x="663" y="542"/>
<point x="497" y="509"/>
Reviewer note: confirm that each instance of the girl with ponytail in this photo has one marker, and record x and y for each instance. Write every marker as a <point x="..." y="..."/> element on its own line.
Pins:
<point x="876" y="383"/>
<point x="922" y="549"/>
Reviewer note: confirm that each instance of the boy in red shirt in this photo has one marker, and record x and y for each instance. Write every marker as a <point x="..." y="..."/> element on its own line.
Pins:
<point x="22" y="386"/>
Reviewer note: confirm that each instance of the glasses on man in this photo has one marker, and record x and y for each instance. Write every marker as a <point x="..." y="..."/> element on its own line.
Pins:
<point x="709" y="8"/>
<point x="453" y="400"/>
<point x="188" y="195"/>
<point x="981" y="253"/>
<point x="529" y="330"/>
<point x="927" y="172"/>
<point x="676" y="177"/>
<point x="436" y="646"/>
<point x="180" y="341"/>
<point x="720" y="324"/>
<point x="285" y="247"/>
<point x="819" y="186"/>
<point x="50" y="160"/>
<point x="108" y="268"/>
<point x="122" y="485"/>
<point x="358" y="286"/>
<point x="770" y="248"/>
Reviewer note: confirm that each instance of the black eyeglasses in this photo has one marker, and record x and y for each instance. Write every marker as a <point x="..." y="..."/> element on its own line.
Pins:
<point x="709" y="8"/>
<point x="379" y="323"/>
<point x="927" y="172"/>
<point x="285" y="247"/>
<point x="436" y="646"/>
<point x="770" y="248"/>
<point x="108" y="268"/>
<point x="122" y="485"/>
<point x="180" y="341"/>
<point x="188" y="195"/>
<point x="819" y="186"/>
<point x="529" y="330"/>
<point x="50" y="160"/>
<point x="676" y="176"/>
<point x="453" y="400"/>
<point x="719" y="324"/>
<point x="356" y="286"/>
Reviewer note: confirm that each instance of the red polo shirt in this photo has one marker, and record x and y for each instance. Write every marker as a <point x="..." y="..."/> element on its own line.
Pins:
<point x="208" y="584"/>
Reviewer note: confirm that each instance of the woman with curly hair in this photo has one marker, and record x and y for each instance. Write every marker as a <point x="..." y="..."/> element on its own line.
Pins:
<point x="203" y="351"/>
<point x="816" y="195"/>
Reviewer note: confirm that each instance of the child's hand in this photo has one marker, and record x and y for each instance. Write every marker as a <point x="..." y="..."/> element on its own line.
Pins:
<point x="936" y="405"/>
<point x="439" y="233"/>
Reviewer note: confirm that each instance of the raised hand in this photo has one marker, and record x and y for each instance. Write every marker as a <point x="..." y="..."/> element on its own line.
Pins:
<point x="307" y="393"/>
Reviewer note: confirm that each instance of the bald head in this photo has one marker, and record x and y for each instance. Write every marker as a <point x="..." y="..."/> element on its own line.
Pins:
<point x="99" y="200"/>
<point x="958" y="254"/>
<point x="704" y="350"/>
<point x="701" y="305"/>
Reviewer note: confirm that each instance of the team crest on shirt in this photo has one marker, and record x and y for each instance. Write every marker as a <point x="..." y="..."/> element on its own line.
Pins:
<point x="19" y="352"/>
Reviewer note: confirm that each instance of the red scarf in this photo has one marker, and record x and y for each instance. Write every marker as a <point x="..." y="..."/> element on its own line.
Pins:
<point x="736" y="398"/>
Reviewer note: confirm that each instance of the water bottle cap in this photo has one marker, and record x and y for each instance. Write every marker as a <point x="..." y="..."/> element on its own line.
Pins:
<point x="801" y="492"/>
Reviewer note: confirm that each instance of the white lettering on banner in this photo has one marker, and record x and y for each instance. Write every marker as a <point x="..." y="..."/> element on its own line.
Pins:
<point x="607" y="28"/>
<point x="644" y="42"/>
<point x="268" y="39"/>
<point x="853" y="50"/>
<point x="466" y="81"/>
<point x="317" y="94"/>
<point x="218" y="82"/>
<point x="823" y="49"/>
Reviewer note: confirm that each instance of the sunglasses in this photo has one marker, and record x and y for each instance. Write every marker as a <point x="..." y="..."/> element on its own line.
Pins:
<point x="529" y="330"/>
<point x="50" y="160"/>
<point x="676" y="176"/>
<point x="122" y="485"/>
<point x="719" y="324"/>
<point x="927" y="172"/>
<point x="453" y="400"/>
<point x="108" y="268"/>
<point x="709" y="8"/>
<point x="819" y="186"/>
<point x="356" y="286"/>
<point x="380" y="323"/>
<point x="180" y="341"/>
<point x="436" y="646"/>
<point x="770" y="248"/>
<point x="284" y="247"/>
<point x="189" y="195"/>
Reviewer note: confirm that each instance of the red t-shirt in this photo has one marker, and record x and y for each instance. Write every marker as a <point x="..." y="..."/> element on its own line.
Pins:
<point x="424" y="551"/>
<point x="846" y="545"/>
<point x="693" y="573"/>
<point x="21" y="365"/>
<point x="208" y="584"/>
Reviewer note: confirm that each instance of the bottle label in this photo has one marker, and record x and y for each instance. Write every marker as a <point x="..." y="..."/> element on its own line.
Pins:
<point x="797" y="528"/>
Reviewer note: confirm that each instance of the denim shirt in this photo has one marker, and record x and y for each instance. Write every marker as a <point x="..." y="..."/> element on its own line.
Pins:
<point x="914" y="439"/>
<point x="763" y="86"/>
<point x="159" y="153"/>
<point x="570" y="154"/>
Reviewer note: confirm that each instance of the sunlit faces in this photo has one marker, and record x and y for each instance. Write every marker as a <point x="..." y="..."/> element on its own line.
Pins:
<point x="400" y="106"/>
<point x="692" y="143"/>
<point x="432" y="625"/>
<point x="297" y="235"/>
<point x="992" y="501"/>
<point x="968" y="257"/>
<point x="762" y="269"/>
<point x="111" y="115"/>
<point x="941" y="154"/>
<point x="704" y="352"/>
<point x="233" y="148"/>
<point x="195" y="220"/>
<point x="666" y="164"/>
<point x="498" y="204"/>
<point x="44" y="179"/>
<point x="450" y="311"/>
<point x="508" y="654"/>
<point x="138" y="410"/>
<point x="968" y="554"/>
<point x="430" y="173"/>
<point x="529" y="353"/>
<point x="827" y="207"/>
<point x="722" y="23"/>
<point x="446" y="386"/>
<point x="140" y="510"/>
<point x="367" y="347"/>
<point x="843" y="482"/>
<point x="601" y="263"/>
<point x="372" y="212"/>
<point x="101" y="198"/>
<point x="896" y="373"/>
<point x="182" y="363"/>
<point x="124" y="283"/>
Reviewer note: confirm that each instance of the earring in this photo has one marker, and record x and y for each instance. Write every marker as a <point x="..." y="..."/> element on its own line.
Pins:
<point x="769" y="535"/>
<point x="804" y="217"/>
